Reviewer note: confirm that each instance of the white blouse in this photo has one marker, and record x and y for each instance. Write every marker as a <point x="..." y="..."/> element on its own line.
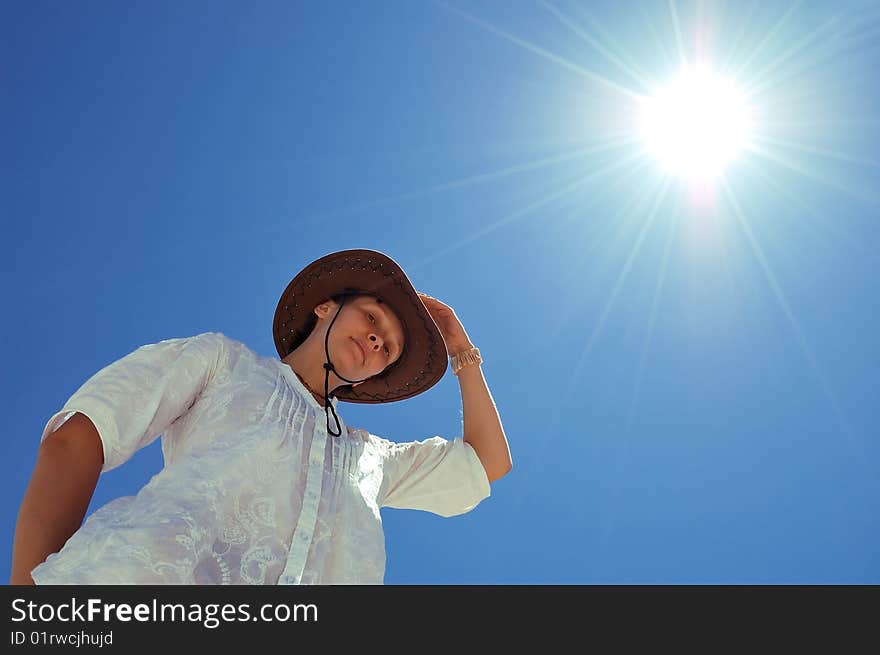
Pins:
<point x="254" y="490"/>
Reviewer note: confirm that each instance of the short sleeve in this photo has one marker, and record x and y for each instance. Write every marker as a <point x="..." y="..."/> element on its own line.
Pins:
<point x="436" y="475"/>
<point x="136" y="398"/>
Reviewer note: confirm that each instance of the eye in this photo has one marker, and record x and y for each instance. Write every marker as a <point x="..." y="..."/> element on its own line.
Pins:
<point x="372" y="320"/>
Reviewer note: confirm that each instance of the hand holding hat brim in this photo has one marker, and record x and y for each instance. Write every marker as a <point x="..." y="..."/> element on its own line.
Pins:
<point x="454" y="334"/>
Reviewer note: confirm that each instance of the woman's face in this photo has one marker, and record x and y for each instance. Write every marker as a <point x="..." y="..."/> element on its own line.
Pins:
<point x="366" y="338"/>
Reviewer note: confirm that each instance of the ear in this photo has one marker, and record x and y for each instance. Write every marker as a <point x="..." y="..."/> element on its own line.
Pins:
<point x="323" y="309"/>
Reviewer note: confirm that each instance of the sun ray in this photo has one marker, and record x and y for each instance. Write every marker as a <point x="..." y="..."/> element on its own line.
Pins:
<point x="659" y="41"/>
<point x="543" y="444"/>
<point x="768" y="123"/>
<point x="761" y="79"/>
<point x="622" y="458"/>
<point x="610" y="56"/>
<point x="571" y="385"/>
<point x="519" y="214"/>
<point x="629" y="199"/>
<point x="767" y="38"/>
<point x="565" y="223"/>
<point x="857" y="33"/>
<point x="801" y="338"/>
<point x="540" y="51"/>
<point x="613" y="46"/>
<point x="463" y="182"/>
<point x="832" y="227"/>
<point x="732" y="50"/>
<point x="813" y="96"/>
<point x="822" y="152"/>
<point x="599" y="241"/>
<point x="673" y="12"/>
<point x="861" y="35"/>
<point x="864" y="196"/>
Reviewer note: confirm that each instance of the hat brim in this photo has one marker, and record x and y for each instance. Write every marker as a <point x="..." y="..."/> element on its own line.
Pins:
<point x="424" y="359"/>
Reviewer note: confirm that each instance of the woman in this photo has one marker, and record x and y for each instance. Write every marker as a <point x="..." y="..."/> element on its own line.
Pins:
<point x="258" y="486"/>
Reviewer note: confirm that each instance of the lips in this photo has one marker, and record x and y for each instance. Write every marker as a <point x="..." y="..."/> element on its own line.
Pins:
<point x="361" y="348"/>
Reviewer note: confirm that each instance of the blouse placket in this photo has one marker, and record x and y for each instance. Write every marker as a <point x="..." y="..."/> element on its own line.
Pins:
<point x="305" y="527"/>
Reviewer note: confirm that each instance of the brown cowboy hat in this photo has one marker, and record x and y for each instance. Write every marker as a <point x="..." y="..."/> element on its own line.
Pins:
<point x="423" y="361"/>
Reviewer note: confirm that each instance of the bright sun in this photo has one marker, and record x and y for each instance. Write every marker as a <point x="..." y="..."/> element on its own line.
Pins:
<point x="696" y="124"/>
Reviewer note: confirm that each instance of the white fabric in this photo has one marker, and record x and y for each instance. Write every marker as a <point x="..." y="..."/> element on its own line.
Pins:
<point x="254" y="490"/>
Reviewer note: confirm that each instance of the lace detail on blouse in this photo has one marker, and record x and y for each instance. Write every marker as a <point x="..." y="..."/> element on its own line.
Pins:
<point x="253" y="490"/>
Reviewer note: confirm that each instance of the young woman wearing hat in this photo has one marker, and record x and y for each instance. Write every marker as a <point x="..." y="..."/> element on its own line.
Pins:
<point x="259" y="487"/>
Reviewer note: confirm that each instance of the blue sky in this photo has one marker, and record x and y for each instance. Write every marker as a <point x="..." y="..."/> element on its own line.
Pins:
<point x="686" y="378"/>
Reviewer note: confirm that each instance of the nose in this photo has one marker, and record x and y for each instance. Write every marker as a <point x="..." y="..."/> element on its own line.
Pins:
<point x="374" y="342"/>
